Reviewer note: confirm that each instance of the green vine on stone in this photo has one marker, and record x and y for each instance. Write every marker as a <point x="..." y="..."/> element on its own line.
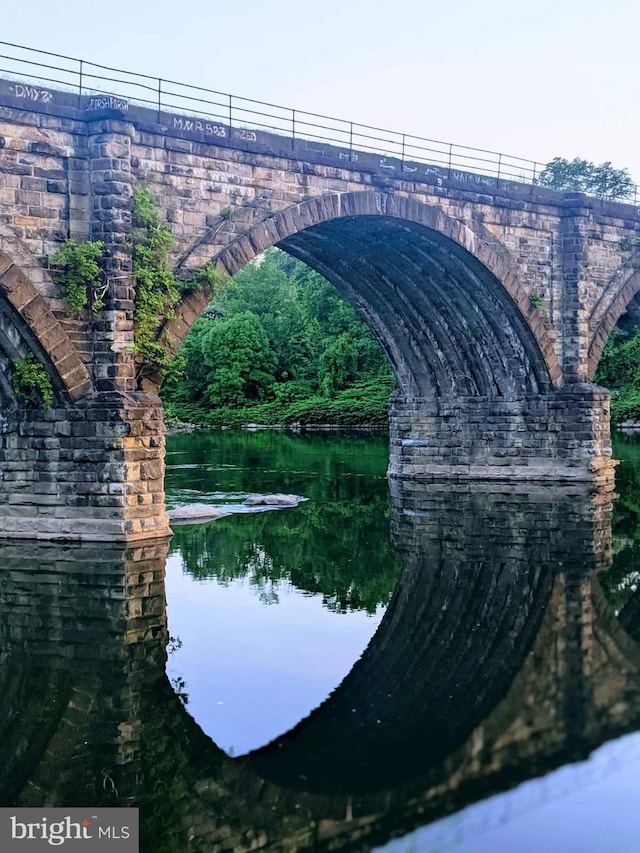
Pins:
<point x="31" y="383"/>
<point x="158" y="291"/>
<point x="535" y="300"/>
<point x="80" y="275"/>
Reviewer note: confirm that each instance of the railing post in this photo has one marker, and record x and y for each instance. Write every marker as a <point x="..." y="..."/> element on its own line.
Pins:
<point x="230" y="114"/>
<point x="499" y="167"/>
<point x="350" y="141"/>
<point x="80" y="86"/>
<point x="533" y="182"/>
<point x="402" y="157"/>
<point x="159" y="98"/>
<point x="450" y="155"/>
<point x="293" y="130"/>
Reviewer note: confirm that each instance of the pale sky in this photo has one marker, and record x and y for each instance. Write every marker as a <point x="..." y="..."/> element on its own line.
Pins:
<point x="539" y="79"/>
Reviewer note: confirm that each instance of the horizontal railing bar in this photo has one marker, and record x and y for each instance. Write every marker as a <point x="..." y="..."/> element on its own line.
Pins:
<point x="190" y="100"/>
<point x="38" y="78"/>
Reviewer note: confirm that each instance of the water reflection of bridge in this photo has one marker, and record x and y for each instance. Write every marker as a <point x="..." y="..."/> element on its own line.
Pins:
<point x="498" y="659"/>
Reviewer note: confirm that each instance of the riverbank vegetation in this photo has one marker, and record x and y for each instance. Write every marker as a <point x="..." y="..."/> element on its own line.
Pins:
<point x="279" y="345"/>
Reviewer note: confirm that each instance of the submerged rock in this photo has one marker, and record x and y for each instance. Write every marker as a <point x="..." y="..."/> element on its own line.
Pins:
<point x="193" y="513"/>
<point x="198" y="513"/>
<point x="272" y="500"/>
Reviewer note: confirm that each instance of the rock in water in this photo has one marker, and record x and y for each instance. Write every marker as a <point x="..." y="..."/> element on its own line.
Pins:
<point x="272" y="500"/>
<point x="193" y="513"/>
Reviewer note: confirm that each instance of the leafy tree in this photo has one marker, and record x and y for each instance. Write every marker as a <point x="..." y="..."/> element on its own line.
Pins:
<point x="602" y="181"/>
<point x="239" y="359"/>
<point x="338" y="364"/>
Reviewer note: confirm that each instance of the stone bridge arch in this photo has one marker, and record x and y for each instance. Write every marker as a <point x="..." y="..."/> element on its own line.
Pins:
<point x="443" y="297"/>
<point x="28" y="325"/>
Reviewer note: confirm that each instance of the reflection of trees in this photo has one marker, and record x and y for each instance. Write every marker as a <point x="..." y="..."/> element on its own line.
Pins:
<point x="336" y="544"/>
<point x="319" y="466"/>
<point x="622" y="580"/>
<point x="305" y="547"/>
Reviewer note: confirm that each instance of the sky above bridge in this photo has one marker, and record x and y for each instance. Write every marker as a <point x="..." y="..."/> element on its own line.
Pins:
<point x="537" y="80"/>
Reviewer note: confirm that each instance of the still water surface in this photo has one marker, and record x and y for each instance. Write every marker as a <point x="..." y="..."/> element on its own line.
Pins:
<point x="454" y="668"/>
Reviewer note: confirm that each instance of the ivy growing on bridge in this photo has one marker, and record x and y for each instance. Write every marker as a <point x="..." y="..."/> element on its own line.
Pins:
<point x="158" y="291"/>
<point x="31" y="383"/>
<point x="80" y="275"/>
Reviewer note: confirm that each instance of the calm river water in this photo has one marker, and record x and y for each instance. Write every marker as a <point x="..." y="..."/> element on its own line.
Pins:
<point x="385" y="666"/>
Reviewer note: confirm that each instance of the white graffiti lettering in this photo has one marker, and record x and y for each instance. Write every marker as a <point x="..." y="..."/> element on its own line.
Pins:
<point x="248" y="135"/>
<point x="468" y="177"/>
<point x="32" y="94"/>
<point x="107" y="102"/>
<point x="182" y="123"/>
<point x="385" y="165"/>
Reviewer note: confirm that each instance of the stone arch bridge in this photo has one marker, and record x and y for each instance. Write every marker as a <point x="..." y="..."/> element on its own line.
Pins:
<point x="493" y="301"/>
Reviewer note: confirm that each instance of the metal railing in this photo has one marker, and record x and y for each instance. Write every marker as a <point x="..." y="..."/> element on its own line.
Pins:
<point x="245" y="119"/>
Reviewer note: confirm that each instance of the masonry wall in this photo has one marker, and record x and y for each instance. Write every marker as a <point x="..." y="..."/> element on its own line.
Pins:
<point x="562" y="436"/>
<point x="92" y="471"/>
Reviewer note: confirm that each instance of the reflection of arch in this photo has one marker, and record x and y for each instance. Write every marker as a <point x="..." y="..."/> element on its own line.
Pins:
<point x="28" y="325"/>
<point x="82" y="681"/>
<point x="606" y="313"/>
<point x="444" y="300"/>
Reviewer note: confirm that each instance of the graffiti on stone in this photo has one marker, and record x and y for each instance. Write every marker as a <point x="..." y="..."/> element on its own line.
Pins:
<point x="199" y="126"/>
<point x="97" y="103"/>
<point x="32" y="93"/>
<point x="247" y="135"/>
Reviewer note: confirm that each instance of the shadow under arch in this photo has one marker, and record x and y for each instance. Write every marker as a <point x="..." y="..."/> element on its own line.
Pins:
<point x="444" y="301"/>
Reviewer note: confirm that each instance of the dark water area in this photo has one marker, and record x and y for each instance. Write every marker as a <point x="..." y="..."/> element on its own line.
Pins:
<point x="386" y="665"/>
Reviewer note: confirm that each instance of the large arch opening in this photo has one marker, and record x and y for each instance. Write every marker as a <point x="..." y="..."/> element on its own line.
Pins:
<point x="444" y="302"/>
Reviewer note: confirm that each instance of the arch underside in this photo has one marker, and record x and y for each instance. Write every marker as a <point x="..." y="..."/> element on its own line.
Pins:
<point x="444" y="320"/>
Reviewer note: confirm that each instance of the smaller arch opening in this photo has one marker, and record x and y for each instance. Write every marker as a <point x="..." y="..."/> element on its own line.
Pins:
<point x="618" y="364"/>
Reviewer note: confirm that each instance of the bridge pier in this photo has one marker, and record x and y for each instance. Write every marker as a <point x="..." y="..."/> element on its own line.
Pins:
<point x="91" y="471"/>
<point x="560" y="436"/>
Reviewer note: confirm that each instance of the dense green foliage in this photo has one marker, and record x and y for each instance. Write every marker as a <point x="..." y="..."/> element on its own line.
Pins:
<point x="602" y="181"/>
<point x="619" y="371"/>
<point x="31" y="383"/>
<point x="79" y="274"/>
<point x="279" y="345"/>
